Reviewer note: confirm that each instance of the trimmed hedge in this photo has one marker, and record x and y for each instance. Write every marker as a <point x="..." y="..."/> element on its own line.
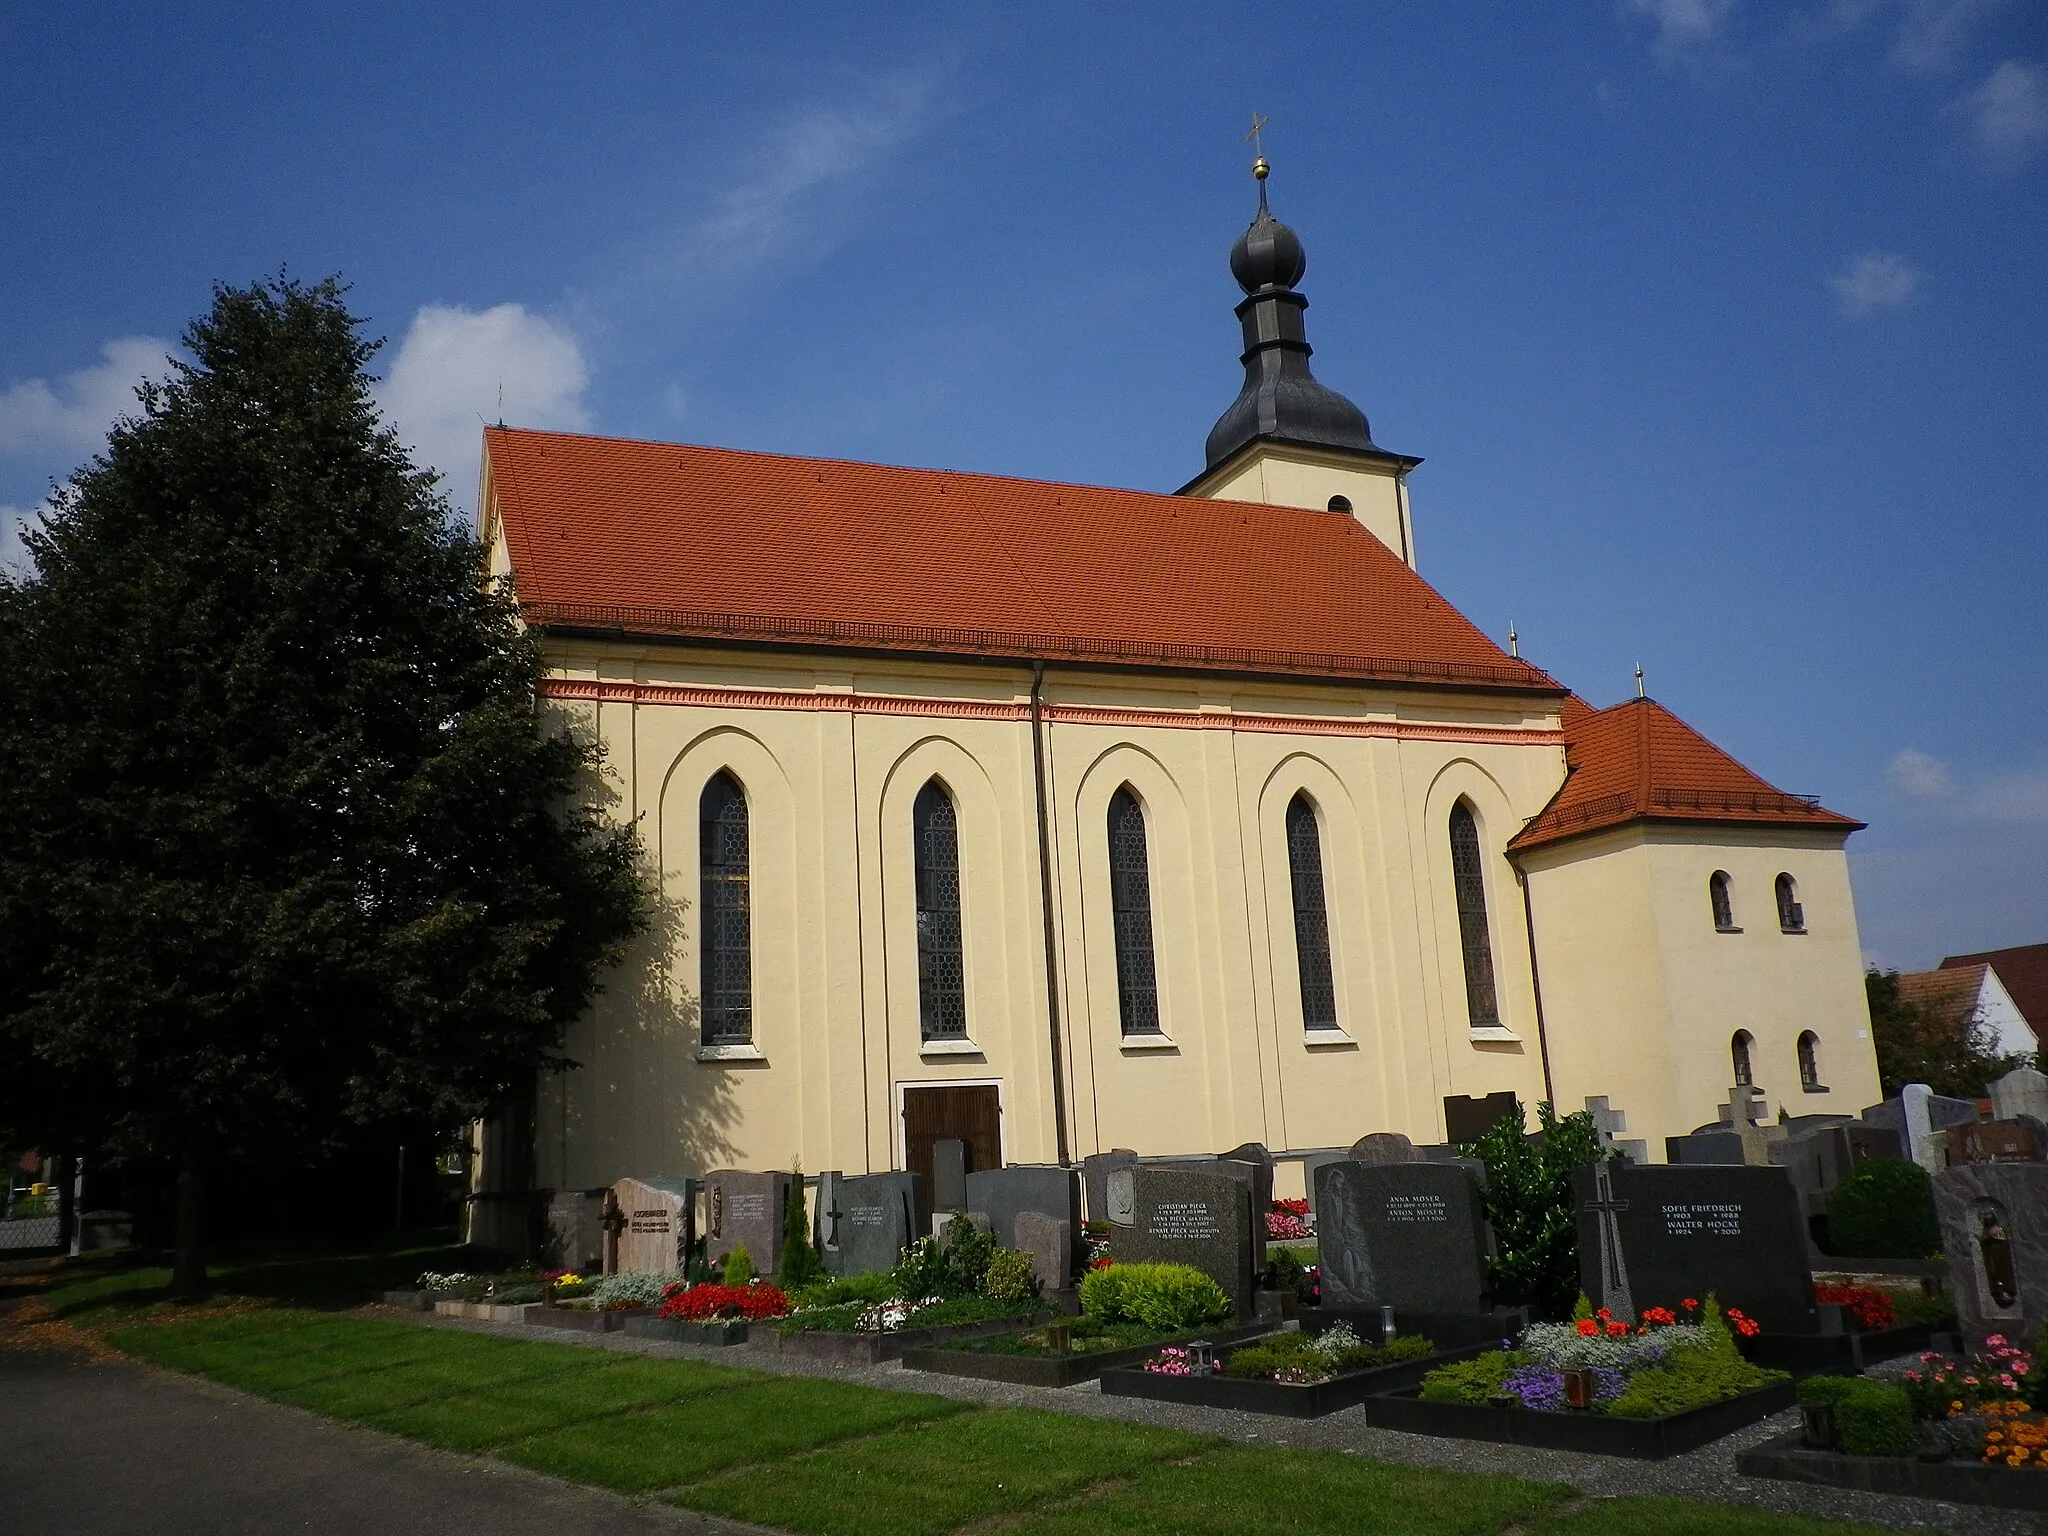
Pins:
<point x="1884" y="1210"/>
<point x="1169" y="1297"/>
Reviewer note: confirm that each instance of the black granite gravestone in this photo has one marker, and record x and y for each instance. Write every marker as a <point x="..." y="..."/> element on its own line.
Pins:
<point x="1003" y="1193"/>
<point x="1655" y="1236"/>
<point x="1200" y="1219"/>
<point x="745" y="1208"/>
<point x="1258" y="1182"/>
<point x="1467" y="1119"/>
<point x="870" y="1219"/>
<point x="1407" y="1235"/>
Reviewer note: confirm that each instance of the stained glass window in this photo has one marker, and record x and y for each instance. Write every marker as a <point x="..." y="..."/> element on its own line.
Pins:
<point x="726" y="913"/>
<point x="1311" y="916"/>
<point x="1130" y="901"/>
<point x="1468" y="876"/>
<point x="941" y="971"/>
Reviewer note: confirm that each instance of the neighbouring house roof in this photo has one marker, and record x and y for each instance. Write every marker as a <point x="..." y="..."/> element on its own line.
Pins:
<point x="1636" y="761"/>
<point x="608" y="535"/>
<point x="1951" y="993"/>
<point x="2023" y="972"/>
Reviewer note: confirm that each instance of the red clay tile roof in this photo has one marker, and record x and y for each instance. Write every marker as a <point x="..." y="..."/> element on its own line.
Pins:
<point x="653" y="538"/>
<point x="2024" y="974"/>
<point x="1638" y="761"/>
<point x="1948" y="993"/>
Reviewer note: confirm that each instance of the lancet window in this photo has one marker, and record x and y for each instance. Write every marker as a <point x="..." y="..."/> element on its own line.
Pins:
<point x="1311" y="916"/>
<point x="1468" y="876"/>
<point x="726" y="984"/>
<point x="941" y="967"/>
<point x="1130" y="901"/>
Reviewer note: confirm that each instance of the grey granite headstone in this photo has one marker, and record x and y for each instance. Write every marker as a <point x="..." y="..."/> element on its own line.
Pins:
<point x="1407" y="1235"/>
<point x="1942" y="1112"/>
<point x="658" y="1215"/>
<point x="1384" y="1147"/>
<point x="1200" y="1219"/>
<point x="1258" y="1179"/>
<point x="2022" y="1091"/>
<point x="871" y="1217"/>
<point x="745" y="1208"/>
<point x="1815" y="1159"/>
<point x="1096" y="1168"/>
<point x="1664" y="1233"/>
<point x="1868" y="1141"/>
<point x="1006" y="1192"/>
<point x="1050" y="1242"/>
<point x="1310" y="1166"/>
<point x="1994" y="1229"/>
<point x="949" y="1175"/>
<point x="575" y="1230"/>
<point x="1705" y="1147"/>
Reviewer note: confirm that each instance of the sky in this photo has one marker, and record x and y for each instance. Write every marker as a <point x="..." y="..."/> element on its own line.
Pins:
<point x="1718" y="323"/>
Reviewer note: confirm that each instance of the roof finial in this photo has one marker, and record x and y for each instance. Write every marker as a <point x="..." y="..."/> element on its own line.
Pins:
<point x="1514" y="641"/>
<point x="1260" y="170"/>
<point x="1639" y="680"/>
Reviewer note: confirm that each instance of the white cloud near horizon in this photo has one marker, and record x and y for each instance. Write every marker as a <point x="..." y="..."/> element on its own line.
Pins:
<point x="67" y="418"/>
<point x="1920" y="775"/>
<point x="2009" y="110"/>
<point x="459" y="368"/>
<point x="1874" y="281"/>
<point x="1683" y="25"/>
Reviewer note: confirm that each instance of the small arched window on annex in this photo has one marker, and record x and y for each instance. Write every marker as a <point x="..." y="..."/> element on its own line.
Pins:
<point x="941" y="966"/>
<point x="1340" y="503"/>
<point x="1720" y="896"/>
<point x="1809" y="1062"/>
<point x="1739" y="1057"/>
<point x="1468" y="879"/>
<point x="1311" y="916"/>
<point x="726" y="953"/>
<point x="1791" y="915"/>
<point x="1130" y="905"/>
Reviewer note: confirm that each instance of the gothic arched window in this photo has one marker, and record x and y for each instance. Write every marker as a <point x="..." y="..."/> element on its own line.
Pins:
<point x="1724" y="907"/>
<point x="941" y="971"/>
<point x="1791" y="915"/>
<point x="727" y="950"/>
<point x="1738" y="1053"/>
<point x="1468" y="876"/>
<point x="1809" y="1060"/>
<point x="1130" y="903"/>
<point x="1311" y="916"/>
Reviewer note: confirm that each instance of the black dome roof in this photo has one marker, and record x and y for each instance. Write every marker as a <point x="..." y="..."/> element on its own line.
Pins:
<point x="1267" y="255"/>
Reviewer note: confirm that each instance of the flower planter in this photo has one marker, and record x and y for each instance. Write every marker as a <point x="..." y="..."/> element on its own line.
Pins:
<point x="1597" y="1433"/>
<point x="1959" y="1482"/>
<point x="1840" y="1354"/>
<point x="575" y="1318"/>
<point x="1346" y="1389"/>
<point x="1055" y="1370"/>
<point x="848" y="1348"/>
<point x="1447" y="1330"/>
<point x="481" y="1311"/>
<point x="670" y="1331"/>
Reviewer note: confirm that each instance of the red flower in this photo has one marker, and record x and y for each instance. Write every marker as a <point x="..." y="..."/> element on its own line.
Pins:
<point x="1617" y="1330"/>
<point x="1690" y="1304"/>
<point x="1604" y="1315"/>
<point x="1588" y="1327"/>
<point x="702" y="1303"/>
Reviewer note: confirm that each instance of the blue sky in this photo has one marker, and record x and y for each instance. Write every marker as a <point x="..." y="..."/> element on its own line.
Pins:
<point x="1719" y="323"/>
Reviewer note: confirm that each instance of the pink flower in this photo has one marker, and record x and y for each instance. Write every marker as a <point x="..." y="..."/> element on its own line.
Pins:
<point x="1912" y="1375"/>
<point x="1995" y="1339"/>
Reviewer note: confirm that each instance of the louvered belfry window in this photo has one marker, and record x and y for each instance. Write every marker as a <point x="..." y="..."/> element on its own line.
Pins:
<point x="941" y="969"/>
<point x="1468" y="875"/>
<point x="1311" y="916"/>
<point x="726" y="913"/>
<point x="1130" y="901"/>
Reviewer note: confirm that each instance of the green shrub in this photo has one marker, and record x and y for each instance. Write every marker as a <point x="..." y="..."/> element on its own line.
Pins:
<point x="1284" y="1349"/>
<point x="1009" y="1276"/>
<point x="1826" y="1389"/>
<point x="800" y="1264"/>
<point x="1102" y="1292"/>
<point x="949" y="1266"/>
<point x="1531" y="1204"/>
<point x="865" y="1289"/>
<point x="1884" y="1210"/>
<point x="739" y="1267"/>
<point x="1471" y="1381"/>
<point x="1694" y="1377"/>
<point x="1169" y="1297"/>
<point x="1289" y="1274"/>
<point x="1875" y="1418"/>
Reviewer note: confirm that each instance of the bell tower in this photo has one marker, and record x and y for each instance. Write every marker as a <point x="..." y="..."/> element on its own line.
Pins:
<point x="1287" y="440"/>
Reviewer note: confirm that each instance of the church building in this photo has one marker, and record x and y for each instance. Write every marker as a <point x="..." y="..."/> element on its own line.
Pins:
<point x="1058" y="818"/>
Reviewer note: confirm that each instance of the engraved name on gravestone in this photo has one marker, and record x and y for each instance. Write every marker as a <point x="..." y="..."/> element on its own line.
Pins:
<point x="1258" y="1181"/>
<point x="874" y="1222"/>
<point x="1198" y="1219"/>
<point x="1994" y="1230"/>
<point x="1004" y="1194"/>
<point x="1653" y="1236"/>
<point x="1407" y="1235"/>
<point x="655" y="1217"/>
<point x="745" y="1208"/>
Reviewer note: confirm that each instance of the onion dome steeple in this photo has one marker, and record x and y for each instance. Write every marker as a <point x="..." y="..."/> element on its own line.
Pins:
<point x="1281" y="399"/>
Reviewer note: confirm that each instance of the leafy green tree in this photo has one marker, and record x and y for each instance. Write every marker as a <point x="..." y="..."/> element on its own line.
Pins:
<point x="1530" y="1202"/>
<point x="1950" y="1049"/>
<point x="290" y="846"/>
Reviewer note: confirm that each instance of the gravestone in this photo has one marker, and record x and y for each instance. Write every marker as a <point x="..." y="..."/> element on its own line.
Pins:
<point x="870" y="1221"/>
<point x="949" y="1175"/>
<point x="1815" y="1159"/>
<point x="745" y="1208"/>
<point x="1412" y="1236"/>
<point x="1915" y="1117"/>
<point x="1258" y="1180"/>
<point x="1004" y="1193"/>
<point x="576" y="1229"/>
<point x="1716" y="1147"/>
<point x="1200" y="1219"/>
<point x="2022" y="1091"/>
<point x="1384" y="1147"/>
<point x="1050" y="1242"/>
<point x="1994" y="1229"/>
<point x="1747" y="1116"/>
<point x="1868" y="1141"/>
<point x="1610" y="1123"/>
<point x="1096" y="1168"/>
<point x="1312" y="1164"/>
<point x="1657" y="1235"/>
<point x="1992" y="1141"/>
<point x="1466" y="1119"/>
<point x="653" y="1218"/>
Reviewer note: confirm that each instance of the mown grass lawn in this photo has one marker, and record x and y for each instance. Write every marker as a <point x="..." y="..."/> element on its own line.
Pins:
<point x="828" y="1458"/>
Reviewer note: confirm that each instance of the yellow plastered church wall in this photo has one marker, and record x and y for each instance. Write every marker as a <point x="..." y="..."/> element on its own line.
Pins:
<point x="1294" y="476"/>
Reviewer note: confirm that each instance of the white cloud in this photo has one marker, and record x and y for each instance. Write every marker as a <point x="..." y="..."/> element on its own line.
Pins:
<point x="14" y="556"/>
<point x="1934" y="33"/>
<point x="1920" y="775"/>
<point x="2009" y="111"/>
<point x="1683" y="25"/>
<point x="70" y="417"/>
<point x="1873" y="281"/>
<point x="459" y="368"/>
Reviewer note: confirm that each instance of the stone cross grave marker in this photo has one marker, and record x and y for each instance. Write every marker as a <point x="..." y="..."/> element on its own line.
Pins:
<point x="1748" y="1115"/>
<point x="1004" y="1194"/>
<point x="1201" y="1219"/>
<point x="1412" y="1236"/>
<point x="872" y="1220"/>
<point x="1050" y="1242"/>
<point x="1651" y="1237"/>
<point x="654" y="1219"/>
<point x="745" y="1208"/>
<point x="1096" y="1169"/>
<point x="1994" y="1230"/>
<point x="1610" y="1123"/>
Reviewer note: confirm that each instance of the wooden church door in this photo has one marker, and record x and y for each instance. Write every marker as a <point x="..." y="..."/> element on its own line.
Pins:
<point x="972" y="1114"/>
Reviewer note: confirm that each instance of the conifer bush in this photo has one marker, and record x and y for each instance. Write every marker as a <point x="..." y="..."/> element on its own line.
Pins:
<point x="800" y="1262"/>
<point x="1884" y="1210"/>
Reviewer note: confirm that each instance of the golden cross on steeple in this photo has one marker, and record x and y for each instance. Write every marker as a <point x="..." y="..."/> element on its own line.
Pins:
<point x="1258" y="123"/>
<point x="1260" y="170"/>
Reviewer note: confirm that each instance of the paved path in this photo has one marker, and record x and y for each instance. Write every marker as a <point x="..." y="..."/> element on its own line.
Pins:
<point x="123" y="1450"/>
